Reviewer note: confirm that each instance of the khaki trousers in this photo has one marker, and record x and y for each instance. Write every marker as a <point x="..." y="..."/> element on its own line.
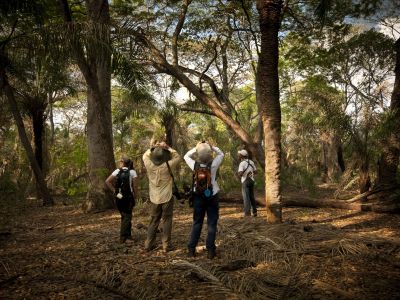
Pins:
<point x="162" y="211"/>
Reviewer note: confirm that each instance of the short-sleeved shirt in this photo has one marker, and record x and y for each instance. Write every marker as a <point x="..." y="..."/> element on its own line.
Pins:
<point x="248" y="167"/>
<point x="132" y="174"/>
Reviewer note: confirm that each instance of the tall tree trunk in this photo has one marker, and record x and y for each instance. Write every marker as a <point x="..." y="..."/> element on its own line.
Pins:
<point x="4" y="86"/>
<point x="389" y="161"/>
<point x="100" y="146"/>
<point x="267" y="86"/>
<point x="95" y="65"/>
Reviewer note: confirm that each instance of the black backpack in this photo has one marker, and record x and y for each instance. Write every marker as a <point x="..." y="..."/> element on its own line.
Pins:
<point x="202" y="180"/>
<point x="123" y="183"/>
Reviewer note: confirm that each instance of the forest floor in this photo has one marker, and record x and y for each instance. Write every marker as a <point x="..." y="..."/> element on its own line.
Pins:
<point x="60" y="253"/>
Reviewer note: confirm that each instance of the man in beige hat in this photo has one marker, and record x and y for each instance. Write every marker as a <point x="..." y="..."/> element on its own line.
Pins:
<point x="205" y="194"/>
<point x="160" y="191"/>
<point x="246" y="172"/>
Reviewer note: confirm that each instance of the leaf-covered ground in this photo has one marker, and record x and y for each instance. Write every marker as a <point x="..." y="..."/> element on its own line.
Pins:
<point x="61" y="253"/>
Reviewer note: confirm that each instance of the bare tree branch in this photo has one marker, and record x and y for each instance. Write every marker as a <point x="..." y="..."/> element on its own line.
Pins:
<point x="200" y="111"/>
<point x="178" y="29"/>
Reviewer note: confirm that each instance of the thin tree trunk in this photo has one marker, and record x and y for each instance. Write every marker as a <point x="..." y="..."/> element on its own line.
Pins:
<point x="389" y="161"/>
<point x="267" y="86"/>
<point x="4" y="85"/>
<point x="37" y="117"/>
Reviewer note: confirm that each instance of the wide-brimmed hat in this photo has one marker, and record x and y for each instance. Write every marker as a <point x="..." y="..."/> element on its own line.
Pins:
<point x="243" y="153"/>
<point x="204" y="153"/>
<point x="159" y="155"/>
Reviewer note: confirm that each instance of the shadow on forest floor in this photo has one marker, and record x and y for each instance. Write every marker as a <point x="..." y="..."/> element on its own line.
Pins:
<point x="59" y="253"/>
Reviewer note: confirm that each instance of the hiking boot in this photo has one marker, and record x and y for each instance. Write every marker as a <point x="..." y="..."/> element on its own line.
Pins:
<point x="191" y="252"/>
<point x="211" y="253"/>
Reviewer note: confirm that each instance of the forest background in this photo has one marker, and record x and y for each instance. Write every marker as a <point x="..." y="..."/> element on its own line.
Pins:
<point x="90" y="81"/>
<point x="310" y="88"/>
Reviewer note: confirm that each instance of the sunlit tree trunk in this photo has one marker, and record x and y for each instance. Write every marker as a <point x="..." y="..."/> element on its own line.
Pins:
<point x="389" y="161"/>
<point x="268" y="102"/>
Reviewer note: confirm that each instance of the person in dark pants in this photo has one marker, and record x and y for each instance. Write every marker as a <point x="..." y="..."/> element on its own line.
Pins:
<point x="124" y="197"/>
<point x="205" y="194"/>
<point x="246" y="172"/>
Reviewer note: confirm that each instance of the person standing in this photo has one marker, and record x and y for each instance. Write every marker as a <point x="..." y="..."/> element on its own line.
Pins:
<point x="205" y="194"/>
<point x="246" y="172"/>
<point x="160" y="192"/>
<point x="123" y="183"/>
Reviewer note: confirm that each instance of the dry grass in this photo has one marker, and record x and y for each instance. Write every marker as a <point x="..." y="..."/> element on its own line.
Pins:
<point x="61" y="253"/>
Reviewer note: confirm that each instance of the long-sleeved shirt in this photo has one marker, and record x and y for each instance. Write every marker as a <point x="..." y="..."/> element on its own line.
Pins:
<point x="160" y="180"/>
<point x="214" y="165"/>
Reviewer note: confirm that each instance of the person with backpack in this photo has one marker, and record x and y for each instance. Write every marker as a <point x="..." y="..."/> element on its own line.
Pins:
<point x="205" y="194"/>
<point x="123" y="183"/>
<point x="160" y="161"/>
<point x="246" y="172"/>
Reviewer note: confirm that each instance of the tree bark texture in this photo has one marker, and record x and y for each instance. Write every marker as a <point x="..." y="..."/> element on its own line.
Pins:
<point x="389" y="161"/>
<point x="96" y="68"/>
<point x="168" y="120"/>
<point x="267" y="86"/>
<point x="9" y="94"/>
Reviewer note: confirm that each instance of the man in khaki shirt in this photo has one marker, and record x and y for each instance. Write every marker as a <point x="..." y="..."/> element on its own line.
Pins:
<point x="160" y="191"/>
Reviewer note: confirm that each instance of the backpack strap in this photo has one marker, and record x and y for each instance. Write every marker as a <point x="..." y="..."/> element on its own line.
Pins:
<point x="172" y="175"/>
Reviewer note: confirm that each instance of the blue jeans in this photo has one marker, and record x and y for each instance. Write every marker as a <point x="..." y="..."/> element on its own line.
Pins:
<point x="248" y="197"/>
<point x="201" y="206"/>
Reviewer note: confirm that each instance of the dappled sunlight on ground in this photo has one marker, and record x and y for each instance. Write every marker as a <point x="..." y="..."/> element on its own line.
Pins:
<point x="60" y="252"/>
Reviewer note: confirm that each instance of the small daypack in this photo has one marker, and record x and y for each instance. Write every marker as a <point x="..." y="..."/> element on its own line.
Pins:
<point x="202" y="180"/>
<point x="123" y="183"/>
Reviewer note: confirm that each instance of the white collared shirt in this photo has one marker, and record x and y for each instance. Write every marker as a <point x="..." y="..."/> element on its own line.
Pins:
<point x="214" y="165"/>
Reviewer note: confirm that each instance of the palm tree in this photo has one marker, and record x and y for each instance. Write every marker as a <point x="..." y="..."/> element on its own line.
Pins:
<point x="267" y="87"/>
<point x="23" y="14"/>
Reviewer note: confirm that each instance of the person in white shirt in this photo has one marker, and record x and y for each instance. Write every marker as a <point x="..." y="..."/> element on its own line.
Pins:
<point x="124" y="198"/>
<point x="246" y="172"/>
<point x="205" y="194"/>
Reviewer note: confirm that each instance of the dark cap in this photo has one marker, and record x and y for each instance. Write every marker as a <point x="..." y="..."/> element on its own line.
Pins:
<point x="125" y="159"/>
